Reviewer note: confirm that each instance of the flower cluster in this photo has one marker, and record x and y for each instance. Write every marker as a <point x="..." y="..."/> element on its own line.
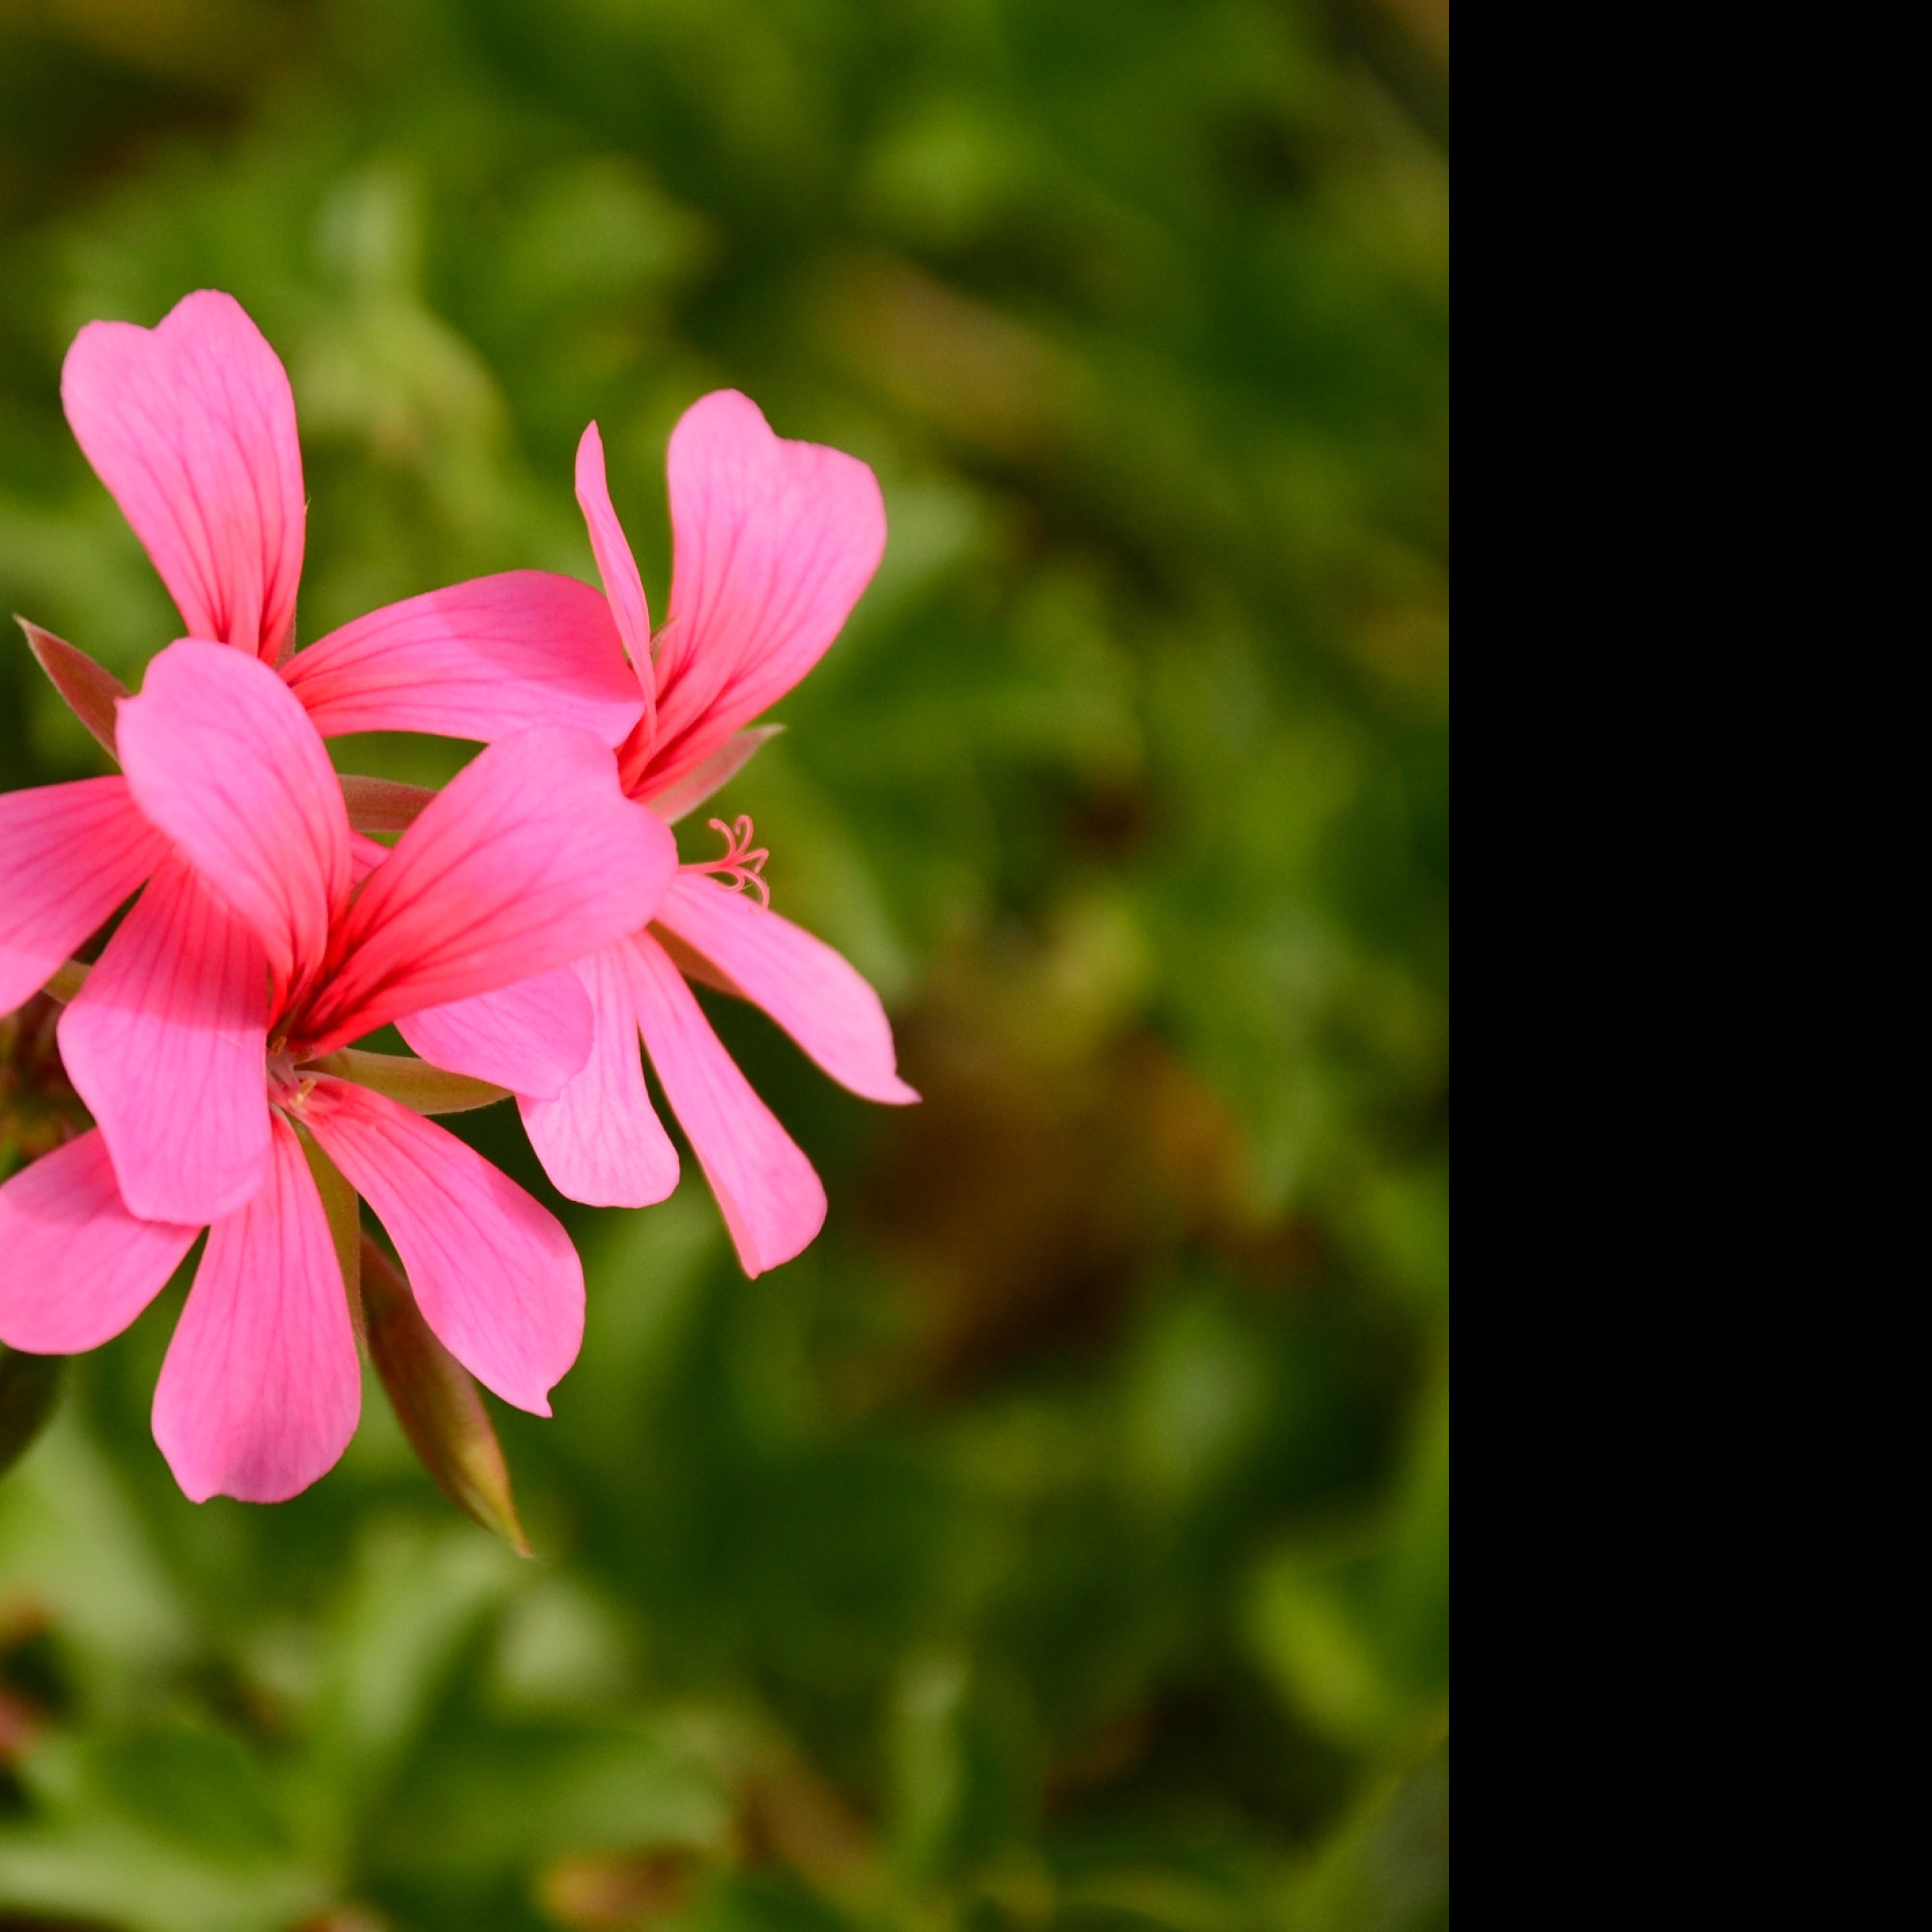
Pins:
<point x="531" y="923"/>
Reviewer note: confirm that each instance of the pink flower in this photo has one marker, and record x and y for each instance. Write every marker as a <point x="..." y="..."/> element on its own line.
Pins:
<point x="774" y="541"/>
<point x="192" y="426"/>
<point x="531" y="857"/>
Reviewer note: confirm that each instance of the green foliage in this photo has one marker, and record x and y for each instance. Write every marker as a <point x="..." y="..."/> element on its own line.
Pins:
<point x="1063" y="1539"/>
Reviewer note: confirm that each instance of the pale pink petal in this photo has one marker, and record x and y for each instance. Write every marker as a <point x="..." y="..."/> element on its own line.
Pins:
<point x="191" y="425"/>
<point x="531" y="857"/>
<point x="494" y="1272"/>
<point x="259" y="1392"/>
<point x="530" y="1038"/>
<point x="714" y="773"/>
<point x="806" y="987"/>
<point x="165" y="1043"/>
<point x="600" y="1140"/>
<point x="76" y="1268"/>
<point x="69" y="855"/>
<point x="773" y="542"/>
<point x="221" y="757"/>
<point x="479" y="660"/>
<point x="772" y="1201"/>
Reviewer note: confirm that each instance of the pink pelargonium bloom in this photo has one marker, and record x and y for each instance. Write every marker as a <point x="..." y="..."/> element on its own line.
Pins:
<point x="774" y="541"/>
<point x="191" y="425"/>
<point x="255" y="935"/>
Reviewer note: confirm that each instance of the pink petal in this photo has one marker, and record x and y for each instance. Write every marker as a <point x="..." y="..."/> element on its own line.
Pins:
<point x="69" y="855"/>
<point x="227" y="764"/>
<point x="495" y="1273"/>
<point x="615" y="564"/>
<point x="166" y="1045"/>
<point x="259" y="1392"/>
<point x="600" y="1140"/>
<point x="76" y="1268"/>
<point x="773" y="542"/>
<point x="191" y="425"/>
<point x="531" y="857"/>
<point x="772" y="1200"/>
<point x="479" y="660"/>
<point x="530" y="1038"/>
<point x="711" y="774"/>
<point x="806" y="987"/>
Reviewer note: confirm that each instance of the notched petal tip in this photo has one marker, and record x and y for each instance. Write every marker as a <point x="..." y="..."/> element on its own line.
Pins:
<point x="191" y="425"/>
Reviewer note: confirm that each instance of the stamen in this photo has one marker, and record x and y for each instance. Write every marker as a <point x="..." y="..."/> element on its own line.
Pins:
<point x="741" y="867"/>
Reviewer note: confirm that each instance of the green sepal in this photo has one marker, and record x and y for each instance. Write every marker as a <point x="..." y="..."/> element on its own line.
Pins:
<point x="91" y="689"/>
<point x="382" y="804"/>
<point x="420" y="1087"/>
<point x="344" y="1209"/>
<point x="437" y="1403"/>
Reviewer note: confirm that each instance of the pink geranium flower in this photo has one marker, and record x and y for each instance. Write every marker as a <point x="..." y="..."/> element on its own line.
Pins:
<point x="774" y="541"/>
<point x="255" y="936"/>
<point x="192" y="426"/>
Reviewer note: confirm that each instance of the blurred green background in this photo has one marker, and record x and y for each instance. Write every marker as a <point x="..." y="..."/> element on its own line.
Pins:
<point x="1062" y="1542"/>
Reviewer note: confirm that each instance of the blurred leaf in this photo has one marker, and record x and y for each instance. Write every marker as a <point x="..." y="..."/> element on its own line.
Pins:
<point x="1387" y="1867"/>
<point x="415" y="1598"/>
<point x="30" y="1390"/>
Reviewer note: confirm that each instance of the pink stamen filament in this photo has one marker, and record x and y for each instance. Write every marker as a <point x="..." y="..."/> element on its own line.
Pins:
<point x="741" y="867"/>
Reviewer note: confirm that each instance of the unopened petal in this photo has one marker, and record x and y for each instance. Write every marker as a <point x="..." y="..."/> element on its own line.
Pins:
<point x="813" y="993"/>
<point x="531" y="857"/>
<point x="69" y="855"/>
<point x="771" y="1199"/>
<point x="225" y="761"/>
<point x="76" y="1266"/>
<point x="494" y="1272"/>
<point x="260" y="1391"/>
<point x="530" y="1038"/>
<point x="600" y="1139"/>
<point x="615" y="564"/>
<point x="191" y="425"/>
<point x="476" y="659"/>
<point x="165" y="1043"/>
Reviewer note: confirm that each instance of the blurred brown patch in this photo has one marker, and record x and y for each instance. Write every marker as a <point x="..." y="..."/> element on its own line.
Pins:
<point x="24" y="1717"/>
<point x="964" y="368"/>
<point x="38" y="1108"/>
<point x="1061" y="1151"/>
<point x="785" y="1816"/>
<point x="346" y="1918"/>
<point x="200" y="41"/>
<point x="21" y="1723"/>
<point x="1108" y="1755"/>
<point x="1428" y="20"/>
<point x="608" y="1891"/>
<point x="789" y="1815"/>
